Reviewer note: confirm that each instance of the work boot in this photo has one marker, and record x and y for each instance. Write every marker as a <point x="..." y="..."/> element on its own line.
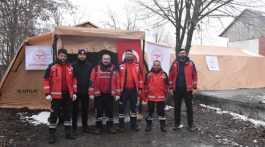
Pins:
<point x="110" y="128"/>
<point x="163" y="125"/>
<point x="52" y="138"/>
<point x="85" y="129"/>
<point x="134" y="125"/>
<point x="177" y="127"/>
<point x="99" y="127"/>
<point x="148" y="125"/>
<point x="121" y="125"/>
<point x="68" y="133"/>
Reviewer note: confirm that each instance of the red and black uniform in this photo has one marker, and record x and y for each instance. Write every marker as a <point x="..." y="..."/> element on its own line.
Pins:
<point x="131" y="82"/>
<point x="156" y="89"/>
<point x="82" y="71"/>
<point x="182" y="80"/>
<point x="60" y="83"/>
<point x="104" y="87"/>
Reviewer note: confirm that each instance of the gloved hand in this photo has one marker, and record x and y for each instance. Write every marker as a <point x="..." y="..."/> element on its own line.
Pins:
<point x="92" y="97"/>
<point x="49" y="97"/>
<point x="74" y="97"/>
<point x="117" y="98"/>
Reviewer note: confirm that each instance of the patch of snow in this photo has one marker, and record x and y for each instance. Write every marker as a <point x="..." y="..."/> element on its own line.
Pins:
<point x="227" y="142"/>
<point x="180" y="126"/>
<point x="235" y="115"/>
<point x="167" y="108"/>
<point x="40" y="118"/>
<point x="210" y="107"/>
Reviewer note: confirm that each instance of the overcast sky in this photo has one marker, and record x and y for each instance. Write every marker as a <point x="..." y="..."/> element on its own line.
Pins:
<point x="96" y="12"/>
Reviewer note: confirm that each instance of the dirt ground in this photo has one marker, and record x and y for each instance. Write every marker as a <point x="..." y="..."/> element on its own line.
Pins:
<point x="214" y="130"/>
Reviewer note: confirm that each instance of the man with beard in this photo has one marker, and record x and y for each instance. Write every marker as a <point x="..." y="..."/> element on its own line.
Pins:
<point x="182" y="81"/>
<point x="156" y="89"/>
<point x="104" y="78"/>
<point x="82" y="69"/>
<point x="131" y="83"/>
<point x="60" y="88"/>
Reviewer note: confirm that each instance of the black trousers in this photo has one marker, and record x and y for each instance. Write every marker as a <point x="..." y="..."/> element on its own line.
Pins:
<point x="131" y="96"/>
<point x="61" y="107"/>
<point x="180" y="95"/>
<point x="104" y="105"/>
<point x="84" y="101"/>
<point x="160" y="109"/>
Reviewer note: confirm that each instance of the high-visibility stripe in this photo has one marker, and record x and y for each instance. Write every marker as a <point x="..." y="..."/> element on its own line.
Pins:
<point x="161" y="118"/>
<point x="52" y="126"/>
<point x="104" y="77"/>
<point x="56" y="93"/>
<point x="133" y="114"/>
<point x="152" y="97"/>
<point x="67" y="123"/>
<point x="121" y="115"/>
<point x="46" y="87"/>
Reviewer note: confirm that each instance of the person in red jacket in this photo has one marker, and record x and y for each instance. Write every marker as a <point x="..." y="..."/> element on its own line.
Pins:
<point x="104" y="79"/>
<point x="182" y="81"/>
<point x="131" y="83"/>
<point x="156" y="89"/>
<point x="60" y="88"/>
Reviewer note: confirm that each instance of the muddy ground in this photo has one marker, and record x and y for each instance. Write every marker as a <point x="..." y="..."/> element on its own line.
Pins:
<point x="214" y="130"/>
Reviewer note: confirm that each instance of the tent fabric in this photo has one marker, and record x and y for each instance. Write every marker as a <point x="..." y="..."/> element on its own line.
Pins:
<point x="91" y="44"/>
<point x="219" y="51"/>
<point x="44" y="38"/>
<point x="101" y="33"/>
<point x="23" y="88"/>
<point x="235" y="73"/>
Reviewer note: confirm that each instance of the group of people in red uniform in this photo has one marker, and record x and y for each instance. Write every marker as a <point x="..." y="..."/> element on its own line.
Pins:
<point x="67" y="86"/>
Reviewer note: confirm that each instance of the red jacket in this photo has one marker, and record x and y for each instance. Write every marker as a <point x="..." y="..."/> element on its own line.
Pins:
<point x="135" y="73"/>
<point x="53" y="77"/>
<point x="104" y="81"/>
<point x="190" y="75"/>
<point x="156" y="86"/>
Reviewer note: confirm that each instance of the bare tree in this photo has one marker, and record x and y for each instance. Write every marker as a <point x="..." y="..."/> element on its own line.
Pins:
<point x="185" y="15"/>
<point x="65" y="8"/>
<point x="129" y="21"/>
<point x="18" y="19"/>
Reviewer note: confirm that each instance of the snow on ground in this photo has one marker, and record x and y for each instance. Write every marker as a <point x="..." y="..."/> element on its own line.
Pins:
<point x="40" y="118"/>
<point x="167" y="108"/>
<point x="235" y="115"/>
